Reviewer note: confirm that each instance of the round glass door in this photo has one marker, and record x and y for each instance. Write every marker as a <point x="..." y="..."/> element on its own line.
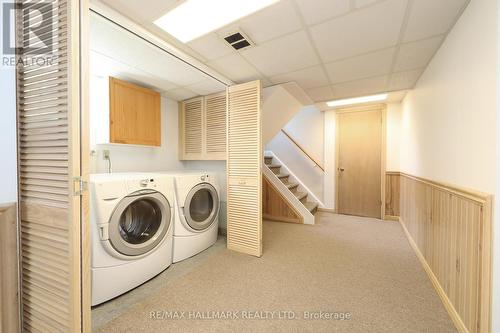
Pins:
<point x="201" y="206"/>
<point x="139" y="223"/>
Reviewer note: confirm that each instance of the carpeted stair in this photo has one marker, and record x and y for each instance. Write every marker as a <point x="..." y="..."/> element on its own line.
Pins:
<point x="292" y="186"/>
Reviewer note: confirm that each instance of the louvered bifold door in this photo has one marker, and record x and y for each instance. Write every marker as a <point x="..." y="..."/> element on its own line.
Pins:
<point x="215" y="120"/>
<point x="48" y="89"/>
<point x="191" y="129"/>
<point x="244" y="158"/>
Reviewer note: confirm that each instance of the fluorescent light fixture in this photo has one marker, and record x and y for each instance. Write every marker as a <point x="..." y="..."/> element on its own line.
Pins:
<point x="195" y="18"/>
<point x="357" y="100"/>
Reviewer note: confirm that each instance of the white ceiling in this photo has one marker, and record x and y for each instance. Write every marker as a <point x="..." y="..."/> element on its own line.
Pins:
<point x="331" y="48"/>
<point x="118" y="53"/>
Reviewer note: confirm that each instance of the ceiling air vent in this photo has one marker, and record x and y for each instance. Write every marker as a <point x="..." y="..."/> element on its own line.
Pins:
<point x="238" y="40"/>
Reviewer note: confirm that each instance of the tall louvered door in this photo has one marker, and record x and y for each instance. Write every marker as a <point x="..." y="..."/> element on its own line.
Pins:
<point x="49" y="155"/>
<point x="191" y="129"/>
<point x="244" y="160"/>
<point x="215" y="124"/>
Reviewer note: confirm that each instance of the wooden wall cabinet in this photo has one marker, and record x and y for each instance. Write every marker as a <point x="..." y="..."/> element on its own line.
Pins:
<point x="202" y="128"/>
<point x="134" y="114"/>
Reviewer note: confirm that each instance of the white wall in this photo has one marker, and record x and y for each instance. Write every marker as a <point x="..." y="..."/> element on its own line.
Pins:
<point x="307" y="129"/>
<point x="393" y="136"/>
<point x="449" y="120"/>
<point x="8" y="167"/>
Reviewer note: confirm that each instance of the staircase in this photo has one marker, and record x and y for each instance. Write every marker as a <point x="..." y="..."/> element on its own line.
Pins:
<point x="292" y="186"/>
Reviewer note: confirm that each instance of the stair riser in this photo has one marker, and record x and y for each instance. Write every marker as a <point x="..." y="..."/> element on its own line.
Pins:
<point x="284" y="179"/>
<point x="304" y="199"/>
<point x="276" y="170"/>
<point x="268" y="160"/>
<point x="294" y="189"/>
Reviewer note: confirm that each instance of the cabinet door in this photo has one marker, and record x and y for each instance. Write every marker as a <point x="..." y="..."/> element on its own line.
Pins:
<point x="135" y="116"/>
<point x="191" y="129"/>
<point x="244" y="177"/>
<point x="215" y="124"/>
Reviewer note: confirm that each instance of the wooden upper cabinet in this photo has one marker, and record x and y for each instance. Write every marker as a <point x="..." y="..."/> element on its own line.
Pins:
<point x="134" y="114"/>
<point x="202" y="128"/>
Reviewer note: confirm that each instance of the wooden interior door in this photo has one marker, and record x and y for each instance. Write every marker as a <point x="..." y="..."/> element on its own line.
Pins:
<point x="244" y="161"/>
<point x="50" y="121"/>
<point x="359" y="164"/>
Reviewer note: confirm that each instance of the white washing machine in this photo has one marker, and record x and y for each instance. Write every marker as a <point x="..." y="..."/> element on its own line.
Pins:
<point x="197" y="216"/>
<point x="132" y="220"/>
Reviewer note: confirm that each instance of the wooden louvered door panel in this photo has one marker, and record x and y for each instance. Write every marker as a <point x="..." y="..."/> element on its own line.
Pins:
<point x="244" y="160"/>
<point x="191" y="129"/>
<point x="49" y="161"/>
<point x="215" y="124"/>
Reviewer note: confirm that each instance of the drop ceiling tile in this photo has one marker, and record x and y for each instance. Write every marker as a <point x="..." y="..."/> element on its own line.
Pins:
<point x="180" y="94"/>
<point x="282" y="55"/>
<point x="235" y="68"/>
<point x="211" y="46"/>
<point x="368" y="65"/>
<point x="430" y="17"/>
<point x="172" y="69"/>
<point x="319" y="10"/>
<point x="361" y="87"/>
<point x="206" y="87"/>
<point x="103" y="66"/>
<point x="364" y="3"/>
<point x="114" y="42"/>
<point x="369" y="29"/>
<point x="272" y="22"/>
<point x="404" y="80"/>
<point x="417" y="54"/>
<point x="142" y="13"/>
<point x="307" y="78"/>
<point x="320" y="94"/>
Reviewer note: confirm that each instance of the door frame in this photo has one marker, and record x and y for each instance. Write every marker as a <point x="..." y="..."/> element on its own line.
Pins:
<point x="383" y="143"/>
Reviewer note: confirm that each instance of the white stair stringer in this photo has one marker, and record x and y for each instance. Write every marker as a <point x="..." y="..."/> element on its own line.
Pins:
<point x="289" y="196"/>
<point x="297" y="179"/>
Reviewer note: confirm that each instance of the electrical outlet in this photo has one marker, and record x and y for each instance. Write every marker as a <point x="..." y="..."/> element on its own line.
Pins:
<point x="105" y="154"/>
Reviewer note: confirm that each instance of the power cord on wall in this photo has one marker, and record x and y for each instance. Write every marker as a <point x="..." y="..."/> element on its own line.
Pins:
<point x="107" y="157"/>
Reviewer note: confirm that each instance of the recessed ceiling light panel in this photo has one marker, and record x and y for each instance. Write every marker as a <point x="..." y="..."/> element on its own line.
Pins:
<point x="195" y="18"/>
<point x="357" y="100"/>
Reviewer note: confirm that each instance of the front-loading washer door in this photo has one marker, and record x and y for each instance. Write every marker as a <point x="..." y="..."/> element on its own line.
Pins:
<point x="139" y="222"/>
<point x="201" y="206"/>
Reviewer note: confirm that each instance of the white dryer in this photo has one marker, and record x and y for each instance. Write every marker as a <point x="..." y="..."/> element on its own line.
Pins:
<point x="132" y="217"/>
<point x="197" y="216"/>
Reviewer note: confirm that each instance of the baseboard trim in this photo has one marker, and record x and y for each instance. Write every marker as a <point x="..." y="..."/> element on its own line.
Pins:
<point x="455" y="317"/>
<point x="327" y="210"/>
<point x="391" y="218"/>
<point x="281" y="219"/>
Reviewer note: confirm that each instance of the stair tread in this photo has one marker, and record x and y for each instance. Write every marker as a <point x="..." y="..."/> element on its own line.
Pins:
<point x="291" y="185"/>
<point x="300" y="195"/>
<point x="311" y="205"/>
<point x="282" y="175"/>
<point x="273" y="166"/>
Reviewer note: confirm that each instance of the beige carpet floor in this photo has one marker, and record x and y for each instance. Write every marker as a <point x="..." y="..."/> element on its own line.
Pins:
<point x="352" y="267"/>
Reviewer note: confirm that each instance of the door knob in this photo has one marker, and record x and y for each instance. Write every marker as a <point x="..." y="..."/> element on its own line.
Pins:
<point x="341" y="169"/>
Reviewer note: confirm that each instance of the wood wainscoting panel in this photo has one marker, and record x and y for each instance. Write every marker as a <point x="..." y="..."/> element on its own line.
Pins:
<point x="392" y="195"/>
<point x="9" y="274"/>
<point x="450" y="230"/>
<point x="275" y="207"/>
